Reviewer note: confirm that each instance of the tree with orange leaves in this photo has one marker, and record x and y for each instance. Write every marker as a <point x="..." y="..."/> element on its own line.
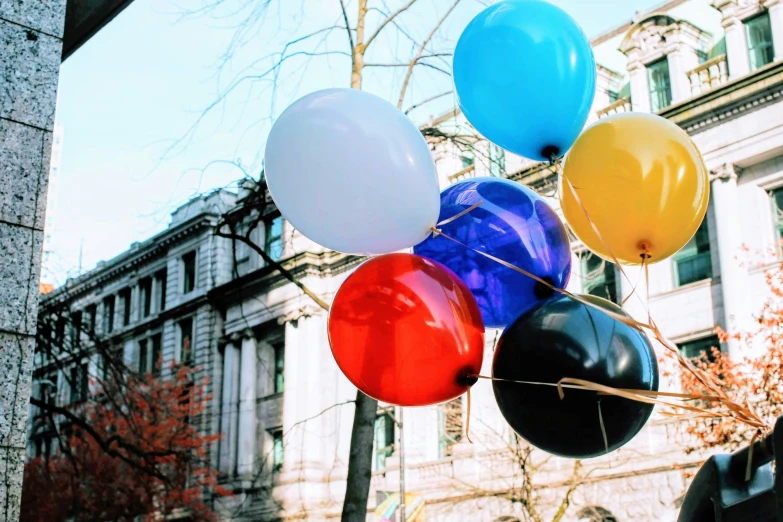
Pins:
<point x="755" y="378"/>
<point x="128" y="451"/>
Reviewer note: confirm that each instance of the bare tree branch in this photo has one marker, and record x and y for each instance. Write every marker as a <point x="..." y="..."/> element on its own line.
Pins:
<point x="106" y="445"/>
<point x="283" y="271"/>
<point x="413" y="62"/>
<point x="386" y="22"/>
<point x="427" y="100"/>
<point x="407" y="64"/>
<point x="347" y="26"/>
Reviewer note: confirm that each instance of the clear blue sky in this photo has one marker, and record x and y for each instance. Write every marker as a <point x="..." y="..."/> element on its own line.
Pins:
<point x="139" y="85"/>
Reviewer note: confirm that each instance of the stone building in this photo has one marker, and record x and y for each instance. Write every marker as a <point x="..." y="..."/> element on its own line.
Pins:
<point x="713" y="67"/>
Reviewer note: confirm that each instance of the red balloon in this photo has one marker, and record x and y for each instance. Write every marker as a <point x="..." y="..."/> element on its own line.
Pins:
<point x="407" y="331"/>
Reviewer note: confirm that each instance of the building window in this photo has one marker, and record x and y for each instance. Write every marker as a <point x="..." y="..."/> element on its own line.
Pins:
<point x="125" y="300"/>
<point x="79" y="383"/>
<point x="384" y="438"/>
<point x="108" y="314"/>
<point x="43" y="447"/>
<point x="449" y="426"/>
<point x="273" y="238"/>
<point x="777" y="211"/>
<point x="599" y="277"/>
<point x="468" y="158"/>
<point x="758" y="33"/>
<point x="277" y="450"/>
<point x="76" y="329"/>
<point x="279" y="367"/>
<point x="694" y="262"/>
<point x="160" y="289"/>
<point x="497" y="161"/>
<point x="149" y="354"/>
<point x="59" y="331"/>
<point x="92" y="315"/>
<point x="189" y="272"/>
<point x="145" y="296"/>
<point x="155" y="355"/>
<point x="49" y="388"/>
<point x="660" y="85"/>
<point x="700" y="348"/>
<point x="186" y="340"/>
<point x="144" y="366"/>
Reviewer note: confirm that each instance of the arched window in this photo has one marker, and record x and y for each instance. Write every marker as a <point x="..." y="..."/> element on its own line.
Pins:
<point x="596" y="514"/>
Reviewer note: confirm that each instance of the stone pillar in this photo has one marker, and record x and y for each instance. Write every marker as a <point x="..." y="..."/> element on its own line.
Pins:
<point x="736" y="46"/>
<point x="732" y="279"/>
<point x="30" y="47"/>
<point x="246" y="445"/>
<point x="775" y="8"/>
<point x="681" y="60"/>
<point x="640" y="91"/>
<point x="303" y="397"/>
<point x="228" y="410"/>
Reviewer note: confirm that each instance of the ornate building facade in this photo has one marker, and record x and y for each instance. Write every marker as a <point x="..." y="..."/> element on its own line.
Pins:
<point x="713" y="67"/>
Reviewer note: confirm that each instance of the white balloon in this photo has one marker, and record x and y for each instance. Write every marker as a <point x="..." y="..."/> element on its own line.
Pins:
<point x="353" y="173"/>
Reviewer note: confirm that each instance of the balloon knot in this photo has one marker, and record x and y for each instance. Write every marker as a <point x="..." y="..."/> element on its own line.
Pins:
<point x="543" y="291"/>
<point x="551" y="152"/>
<point x="467" y="377"/>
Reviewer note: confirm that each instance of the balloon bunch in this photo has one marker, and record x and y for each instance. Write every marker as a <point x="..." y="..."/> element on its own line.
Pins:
<point x="354" y="174"/>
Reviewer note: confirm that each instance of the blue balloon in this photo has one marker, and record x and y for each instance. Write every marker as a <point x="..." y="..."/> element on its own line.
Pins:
<point x="525" y="77"/>
<point x="514" y="224"/>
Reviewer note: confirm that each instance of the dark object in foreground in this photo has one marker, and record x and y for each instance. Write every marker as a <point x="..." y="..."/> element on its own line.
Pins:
<point x="720" y="493"/>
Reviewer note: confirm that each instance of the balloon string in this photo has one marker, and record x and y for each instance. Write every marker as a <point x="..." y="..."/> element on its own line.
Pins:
<point x="603" y="428"/>
<point x="622" y="318"/>
<point x="457" y="216"/>
<point x="467" y="424"/>
<point x="633" y="290"/>
<point x="646" y="396"/>
<point x="749" y="466"/>
<point x="743" y="413"/>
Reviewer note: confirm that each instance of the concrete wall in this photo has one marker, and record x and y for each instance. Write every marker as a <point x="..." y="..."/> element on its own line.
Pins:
<point x="30" y="46"/>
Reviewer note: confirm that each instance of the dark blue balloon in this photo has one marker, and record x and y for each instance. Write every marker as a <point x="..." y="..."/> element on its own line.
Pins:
<point x="514" y="224"/>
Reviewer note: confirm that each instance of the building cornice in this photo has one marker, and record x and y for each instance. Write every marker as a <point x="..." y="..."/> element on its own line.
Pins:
<point x="127" y="261"/>
<point x="303" y="264"/>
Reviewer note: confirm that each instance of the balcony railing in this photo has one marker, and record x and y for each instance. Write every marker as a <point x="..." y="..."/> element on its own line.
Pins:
<point x="621" y="105"/>
<point x="709" y="75"/>
<point x="466" y="173"/>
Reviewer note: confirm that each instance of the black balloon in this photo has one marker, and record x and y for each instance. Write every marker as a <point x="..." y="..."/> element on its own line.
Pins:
<point x="565" y="338"/>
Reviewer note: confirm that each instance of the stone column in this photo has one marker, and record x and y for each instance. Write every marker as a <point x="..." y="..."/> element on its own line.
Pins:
<point x="30" y="47"/>
<point x="246" y="445"/>
<point x="228" y="410"/>
<point x="736" y="46"/>
<point x="775" y="8"/>
<point x="303" y="397"/>
<point x="732" y="278"/>
<point x="640" y="91"/>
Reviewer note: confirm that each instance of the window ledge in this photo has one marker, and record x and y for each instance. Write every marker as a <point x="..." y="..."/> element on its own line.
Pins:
<point x="683" y="288"/>
<point x="270" y="397"/>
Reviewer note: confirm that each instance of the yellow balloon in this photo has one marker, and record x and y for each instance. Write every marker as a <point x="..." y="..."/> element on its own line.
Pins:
<point x="643" y="184"/>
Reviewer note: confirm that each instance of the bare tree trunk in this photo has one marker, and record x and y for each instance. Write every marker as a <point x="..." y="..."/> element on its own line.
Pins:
<point x="357" y="486"/>
<point x="357" y="65"/>
<point x="360" y="460"/>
